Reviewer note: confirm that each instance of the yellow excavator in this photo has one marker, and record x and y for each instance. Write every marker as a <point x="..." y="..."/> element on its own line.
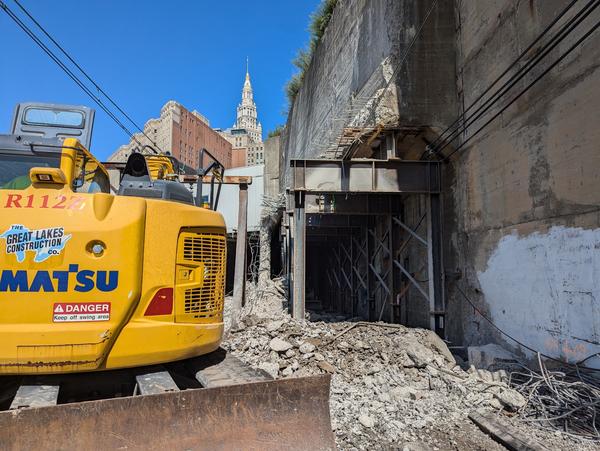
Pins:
<point x="97" y="286"/>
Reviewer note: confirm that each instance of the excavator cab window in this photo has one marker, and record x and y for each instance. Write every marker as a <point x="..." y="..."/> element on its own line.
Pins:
<point x="15" y="166"/>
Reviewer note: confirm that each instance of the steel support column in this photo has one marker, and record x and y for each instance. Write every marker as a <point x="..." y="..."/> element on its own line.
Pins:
<point x="435" y="267"/>
<point x="239" y="283"/>
<point x="299" y="256"/>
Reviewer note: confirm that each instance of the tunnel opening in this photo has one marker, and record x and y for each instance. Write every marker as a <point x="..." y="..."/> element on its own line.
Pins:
<point x="366" y="266"/>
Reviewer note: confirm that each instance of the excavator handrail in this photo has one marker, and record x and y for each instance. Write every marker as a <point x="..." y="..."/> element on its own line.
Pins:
<point x="217" y="171"/>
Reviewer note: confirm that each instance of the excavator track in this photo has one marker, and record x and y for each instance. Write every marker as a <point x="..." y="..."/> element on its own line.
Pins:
<point x="209" y="402"/>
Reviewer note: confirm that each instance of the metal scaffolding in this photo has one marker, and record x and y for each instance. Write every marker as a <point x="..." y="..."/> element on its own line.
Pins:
<point x="365" y="258"/>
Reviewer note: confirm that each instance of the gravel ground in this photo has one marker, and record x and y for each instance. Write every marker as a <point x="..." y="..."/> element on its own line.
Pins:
<point x="392" y="387"/>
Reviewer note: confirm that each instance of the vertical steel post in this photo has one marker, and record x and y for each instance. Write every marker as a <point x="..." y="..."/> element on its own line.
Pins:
<point x="352" y="277"/>
<point x="299" y="256"/>
<point x="435" y="269"/>
<point x="239" y="283"/>
<point x="367" y="268"/>
<point x="290" y="259"/>
<point x="391" y="266"/>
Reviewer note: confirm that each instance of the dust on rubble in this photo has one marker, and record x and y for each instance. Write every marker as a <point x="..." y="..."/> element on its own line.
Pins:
<point x="392" y="387"/>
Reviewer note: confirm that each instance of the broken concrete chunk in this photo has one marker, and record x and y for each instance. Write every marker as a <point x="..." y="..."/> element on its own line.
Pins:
<point x="326" y="366"/>
<point x="279" y="345"/>
<point x="274" y="325"/>
<point x="366" y="421"/>
<point x="490" y="356"/>
<point x="437" y="343"/>
<point x="419" y="354"/>
<point x="405" y="360"/>
<point x="305" y="348"/>
<point x="271" y="368"/>
<point x="511" y="399"/>
<point x="400" y="393"/>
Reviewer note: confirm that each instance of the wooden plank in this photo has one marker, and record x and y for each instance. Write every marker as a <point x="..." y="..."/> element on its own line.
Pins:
<point x="504" y="434"/>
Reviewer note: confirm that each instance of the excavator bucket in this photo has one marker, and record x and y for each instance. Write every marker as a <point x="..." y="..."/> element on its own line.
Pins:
<point x="286" y="414"/>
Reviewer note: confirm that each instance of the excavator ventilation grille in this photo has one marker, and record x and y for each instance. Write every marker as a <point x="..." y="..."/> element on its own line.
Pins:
<point x="200" y="297"/>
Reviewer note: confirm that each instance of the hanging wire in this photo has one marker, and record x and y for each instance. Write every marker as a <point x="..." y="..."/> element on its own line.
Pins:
<point x="72" y="75"/>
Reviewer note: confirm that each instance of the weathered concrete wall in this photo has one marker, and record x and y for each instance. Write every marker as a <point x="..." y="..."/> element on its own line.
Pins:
<point x="522" y="201"/>
<point x="272" y="166"/>
<point x="358" y="58"/>
<point x="526" y="193"/>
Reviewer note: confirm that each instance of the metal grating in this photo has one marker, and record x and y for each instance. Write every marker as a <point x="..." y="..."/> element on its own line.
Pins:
<point x="203" y="246"/>
<point x="206" y="300"/>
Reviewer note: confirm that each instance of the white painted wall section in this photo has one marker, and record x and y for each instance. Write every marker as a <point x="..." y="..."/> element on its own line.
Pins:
<point x="544" y="290"/>
<point x="229" y="199"/>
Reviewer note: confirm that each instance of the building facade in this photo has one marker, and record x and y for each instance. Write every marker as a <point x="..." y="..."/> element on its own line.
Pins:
<point x="246" y="134"/>
<point x="181" y="132"/>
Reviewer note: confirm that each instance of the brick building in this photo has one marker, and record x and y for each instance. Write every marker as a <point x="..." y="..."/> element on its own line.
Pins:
<point x="183" y="133"/>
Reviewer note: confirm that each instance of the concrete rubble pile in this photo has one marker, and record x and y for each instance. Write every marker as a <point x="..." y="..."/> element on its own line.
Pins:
<point x="390" y="384"/>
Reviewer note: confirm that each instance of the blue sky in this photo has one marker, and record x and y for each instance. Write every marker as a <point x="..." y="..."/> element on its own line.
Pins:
<point x="144" y="53"/>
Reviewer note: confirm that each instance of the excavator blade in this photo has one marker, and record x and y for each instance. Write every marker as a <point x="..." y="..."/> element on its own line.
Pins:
<point x="286" y="414"/>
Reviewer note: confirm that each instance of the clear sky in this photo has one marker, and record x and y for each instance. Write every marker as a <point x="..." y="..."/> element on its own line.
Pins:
<point x="146" y="52"/>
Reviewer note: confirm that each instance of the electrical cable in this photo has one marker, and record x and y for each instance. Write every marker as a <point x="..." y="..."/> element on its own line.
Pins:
<point x="513" y="64"/>
<point x="520" y="343"/>
<point x="538" y="78"/>
<point x="69" y="73"/>
<point x="85" y="73"/>
<point x="546" y="49"/>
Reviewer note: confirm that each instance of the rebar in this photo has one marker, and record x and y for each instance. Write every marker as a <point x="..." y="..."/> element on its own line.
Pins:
<point x="563" y="399"/>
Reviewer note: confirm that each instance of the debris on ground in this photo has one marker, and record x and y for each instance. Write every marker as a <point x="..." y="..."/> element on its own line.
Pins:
<point x="490" y="357"/>
<point x="392" y="386"/>
<point x="566" y="400"/>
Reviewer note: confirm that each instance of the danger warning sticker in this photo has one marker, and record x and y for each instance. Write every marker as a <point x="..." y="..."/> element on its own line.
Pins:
<point x="81" y="311"/>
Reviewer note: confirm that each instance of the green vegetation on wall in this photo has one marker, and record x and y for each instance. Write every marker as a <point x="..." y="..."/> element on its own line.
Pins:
<point x="276" y="132"/>
<point x="318" y="24"/>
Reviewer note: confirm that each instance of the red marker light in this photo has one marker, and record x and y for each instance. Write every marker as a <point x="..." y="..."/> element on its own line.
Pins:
<point x="161" y="303"/>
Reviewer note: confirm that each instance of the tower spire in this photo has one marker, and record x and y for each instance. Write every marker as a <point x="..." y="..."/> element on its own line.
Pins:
<point x="247" y="68"/>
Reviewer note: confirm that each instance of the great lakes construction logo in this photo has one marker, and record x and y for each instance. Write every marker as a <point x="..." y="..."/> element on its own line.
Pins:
<point x="44" y="243"/>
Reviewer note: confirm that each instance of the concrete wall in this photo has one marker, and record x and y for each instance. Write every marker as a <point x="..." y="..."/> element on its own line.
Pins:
<point x="272" y="146"/>
<point x="359" y="57"/>
<point x="521" y="204"/>
<point x="525" y="200"/>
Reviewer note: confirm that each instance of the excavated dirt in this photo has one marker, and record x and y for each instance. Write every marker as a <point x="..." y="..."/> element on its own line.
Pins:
<point x="392" y="387"/>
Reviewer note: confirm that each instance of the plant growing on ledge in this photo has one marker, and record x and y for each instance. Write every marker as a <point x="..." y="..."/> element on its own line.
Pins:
<point x="276" y="131"/>
<point x="318" y="24"/>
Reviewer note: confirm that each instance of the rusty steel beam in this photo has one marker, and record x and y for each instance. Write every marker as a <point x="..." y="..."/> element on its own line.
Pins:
<point x="364" y="175"/>
<point x="229" y="179"/>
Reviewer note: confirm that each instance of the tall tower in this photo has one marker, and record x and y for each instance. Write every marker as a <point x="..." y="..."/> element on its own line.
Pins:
<point x="246" y="112"/>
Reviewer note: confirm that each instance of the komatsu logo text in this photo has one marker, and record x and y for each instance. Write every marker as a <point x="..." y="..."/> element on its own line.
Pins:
<point x="59" y="281"/>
